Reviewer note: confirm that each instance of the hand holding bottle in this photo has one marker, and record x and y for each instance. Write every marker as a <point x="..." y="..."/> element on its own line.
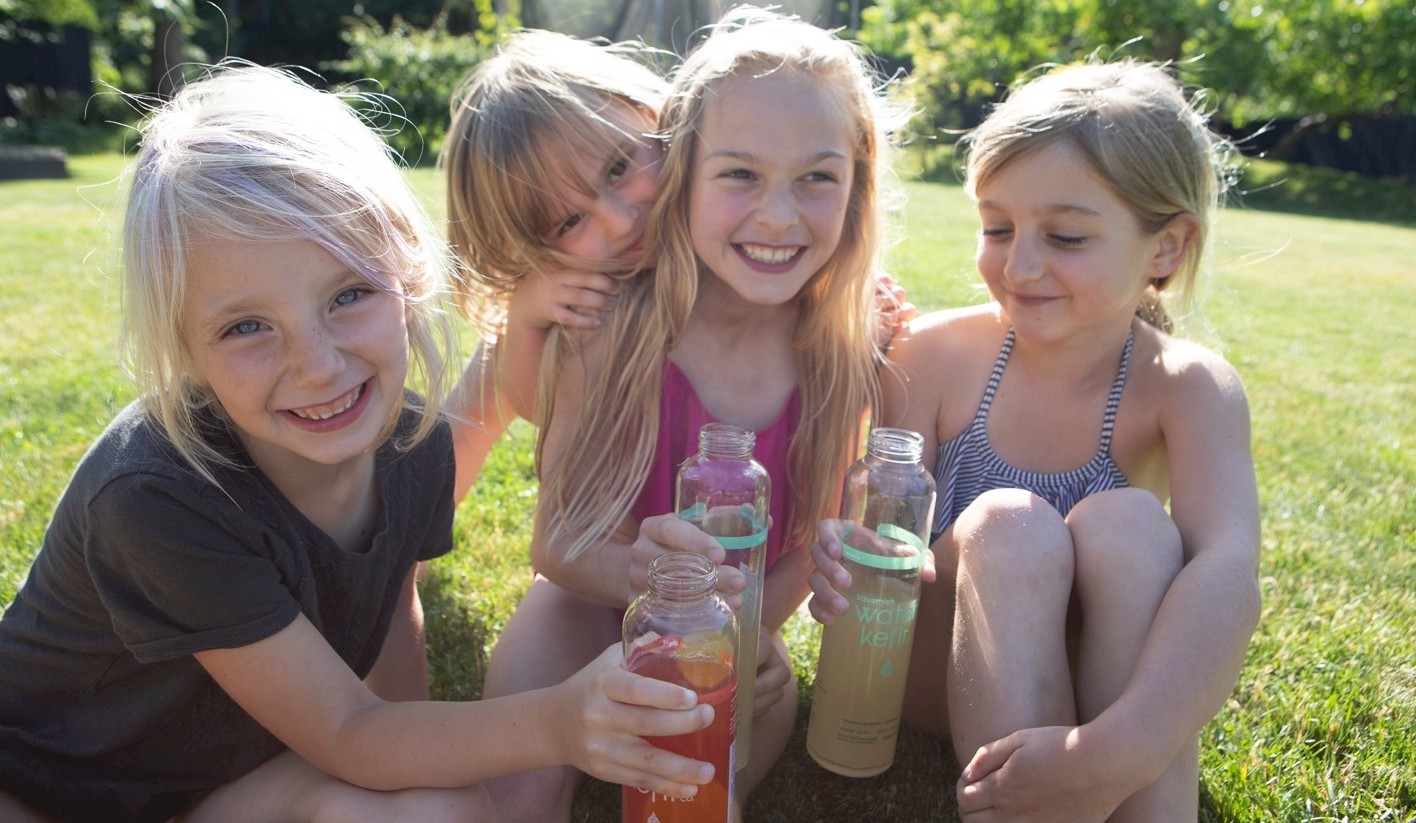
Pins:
<point x="604" y="708"/>
<point x="830" y="576"/>
<point x="667" y="533"/>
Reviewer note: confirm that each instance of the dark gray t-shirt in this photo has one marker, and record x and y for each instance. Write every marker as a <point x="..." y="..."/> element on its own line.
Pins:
<point x="104" y="713"/>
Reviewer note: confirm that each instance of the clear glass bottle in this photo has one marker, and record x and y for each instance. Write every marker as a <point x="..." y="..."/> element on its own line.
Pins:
<point x="726" y="492"/>
<point x="681" y="631"/>
<point x="888" y="506"/>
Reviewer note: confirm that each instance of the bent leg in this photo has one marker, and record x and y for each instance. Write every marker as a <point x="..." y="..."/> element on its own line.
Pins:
<point x="1010" y="668"/>
<point x="771" y="732"/>
<point x="551" y="636"/>
<point x="287" y="787"/>
<point x="1128" y="553"/>
<point x="926" y="704"/>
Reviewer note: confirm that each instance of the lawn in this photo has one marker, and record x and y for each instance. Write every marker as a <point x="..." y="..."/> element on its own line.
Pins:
<point x="1307" y="297"/>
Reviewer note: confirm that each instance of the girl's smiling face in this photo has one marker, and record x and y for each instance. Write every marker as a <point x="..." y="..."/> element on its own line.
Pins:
<point x="771" y="179"/>
<point x="307" y="358"/>
<point x="1058" y="248"/>
<point x="605" y="199"/>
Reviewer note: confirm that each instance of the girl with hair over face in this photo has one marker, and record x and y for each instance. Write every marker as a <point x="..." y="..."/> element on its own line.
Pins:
<point x="760" y="312"/>
<point x="1085" y="629"/>
<point x="551" y="172"/>
<point x="217" y="626"/>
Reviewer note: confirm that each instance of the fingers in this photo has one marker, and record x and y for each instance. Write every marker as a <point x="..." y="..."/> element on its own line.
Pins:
<point x="829" y="578"/>
<point x="650" y="769"/>
<point x="928" y="572"/>
<point x="988" y="759"/>
<point x="673" y="534"/>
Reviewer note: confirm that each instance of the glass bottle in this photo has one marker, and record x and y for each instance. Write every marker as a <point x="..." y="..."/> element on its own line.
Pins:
<point x="887" y="509"/>
<point x="681" y="631"/>
<point x="725" y="492"/>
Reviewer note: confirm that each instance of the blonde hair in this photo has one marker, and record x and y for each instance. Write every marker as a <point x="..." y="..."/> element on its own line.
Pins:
<point x="255" y="154"/>
<point x="540" y="97"/>
<point x="1143" y="137"/>
<point x="594" y="485"/>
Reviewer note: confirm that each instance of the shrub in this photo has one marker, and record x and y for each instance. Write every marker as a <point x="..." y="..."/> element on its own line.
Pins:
<point x="419" y="69"/>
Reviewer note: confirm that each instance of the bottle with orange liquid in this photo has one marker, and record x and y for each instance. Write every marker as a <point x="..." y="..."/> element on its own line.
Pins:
<point x="682" y="632"/>
<point x="724" y="491"/>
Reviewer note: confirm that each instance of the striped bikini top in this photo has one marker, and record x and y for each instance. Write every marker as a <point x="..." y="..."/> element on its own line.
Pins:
<point x="968" y="466"/>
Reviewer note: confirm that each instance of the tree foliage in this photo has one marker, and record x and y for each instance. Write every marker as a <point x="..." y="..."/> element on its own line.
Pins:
<point x="419" y="68"/>
<point x="1261" y="59"/>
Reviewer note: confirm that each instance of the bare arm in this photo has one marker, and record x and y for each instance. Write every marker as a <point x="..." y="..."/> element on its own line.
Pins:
<point x="1195" y="650"/>
<point x="297" y="687"/>
<point x="573" y="299"/>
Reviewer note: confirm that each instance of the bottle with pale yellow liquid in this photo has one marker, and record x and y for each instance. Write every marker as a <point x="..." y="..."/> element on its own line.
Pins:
<point x="725" y="492"/>
<point x="887" y="507"/>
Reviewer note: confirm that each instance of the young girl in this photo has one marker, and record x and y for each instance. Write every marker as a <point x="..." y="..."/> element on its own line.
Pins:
<point x="236" y="552"/>
<point x="551" y="173"/>
<point x="759" y="313"/>
<point x="1094" y="632"/>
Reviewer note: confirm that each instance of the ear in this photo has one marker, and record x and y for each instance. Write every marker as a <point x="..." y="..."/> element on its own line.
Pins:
<point x="1172" y="242"/>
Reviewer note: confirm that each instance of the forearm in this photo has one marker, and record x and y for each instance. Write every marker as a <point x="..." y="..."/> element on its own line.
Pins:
<point x="390" y="746"/>
<point x="785" y="588"/>
<point x="479" y="415"/>
<point x="599" y="575"/>
<point x="518" y="364"/>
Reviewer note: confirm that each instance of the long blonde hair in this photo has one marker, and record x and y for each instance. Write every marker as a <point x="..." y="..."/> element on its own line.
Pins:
<point x="1141" y="134"/>
<point x="541" y="96"/>
<point x="594" y="485"/>
<point x="251" y="153"/>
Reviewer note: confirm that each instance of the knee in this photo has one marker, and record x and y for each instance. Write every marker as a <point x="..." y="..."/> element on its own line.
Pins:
<point x="542" y="794"/>
<point x="1015" y="533"/>
<point x="1125" y="534"/>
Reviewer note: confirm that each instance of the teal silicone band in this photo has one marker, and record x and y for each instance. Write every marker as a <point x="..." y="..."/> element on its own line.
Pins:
<point x="746" y="541"/>
<point x="876" y="561"/>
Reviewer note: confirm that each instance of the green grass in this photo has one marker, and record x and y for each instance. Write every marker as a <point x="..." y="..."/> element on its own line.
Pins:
<point x="1308" y="297"/>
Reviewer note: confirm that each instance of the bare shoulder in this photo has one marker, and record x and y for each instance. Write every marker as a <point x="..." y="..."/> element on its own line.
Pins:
<point x="1190" y="366"/>
<point x="1197" y="385"/>
<point x="937" y="361"/>
<point x="948" y="336"/>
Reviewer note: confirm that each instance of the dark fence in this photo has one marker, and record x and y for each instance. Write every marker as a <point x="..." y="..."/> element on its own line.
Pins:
<point x="1376" y="147"/>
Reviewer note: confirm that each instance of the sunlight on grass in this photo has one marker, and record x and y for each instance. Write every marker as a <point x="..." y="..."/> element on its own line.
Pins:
<point x="1307" y="296"/>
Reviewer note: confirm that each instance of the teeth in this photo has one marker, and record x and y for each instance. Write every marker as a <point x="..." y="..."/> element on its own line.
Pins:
<point x="771" y="255"/>
<point x="330" y="409"/>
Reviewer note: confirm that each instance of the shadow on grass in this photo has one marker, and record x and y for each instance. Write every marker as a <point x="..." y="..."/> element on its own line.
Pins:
<point x="919" y="787"/>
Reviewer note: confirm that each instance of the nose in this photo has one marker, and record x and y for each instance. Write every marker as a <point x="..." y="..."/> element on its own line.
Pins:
<point x="1023" y="261"/>
<point x="776" y="211"/>
<point x="620" y="217"/>
<point x="314" y="355"/>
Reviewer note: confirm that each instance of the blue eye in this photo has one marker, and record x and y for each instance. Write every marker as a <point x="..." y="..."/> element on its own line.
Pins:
<point x="618" y="169"/>
<point x="348" y="296"/>
<point x="242" y="328"/>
